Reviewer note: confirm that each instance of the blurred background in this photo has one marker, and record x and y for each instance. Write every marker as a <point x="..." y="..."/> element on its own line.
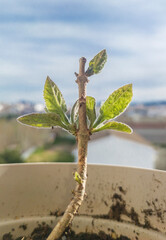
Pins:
<point x="40" y="38"/>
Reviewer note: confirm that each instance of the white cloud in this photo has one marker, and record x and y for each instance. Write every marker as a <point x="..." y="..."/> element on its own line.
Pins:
<point x="150" y="94"/>
<point x="32" y="50"/>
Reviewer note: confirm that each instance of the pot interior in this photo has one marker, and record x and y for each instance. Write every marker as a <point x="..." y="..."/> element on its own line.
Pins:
<point x="126" y="200"/>
<point x="24" y="227"/>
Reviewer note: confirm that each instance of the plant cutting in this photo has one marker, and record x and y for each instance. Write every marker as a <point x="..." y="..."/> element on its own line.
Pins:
<point x="82" y="124"/>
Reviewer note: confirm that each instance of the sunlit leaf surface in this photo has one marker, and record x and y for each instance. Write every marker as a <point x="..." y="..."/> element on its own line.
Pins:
<point x="90" y="109"/>
<point x="74" y="112"/>
<point x="97" y="63"/>
<point x="113" y="126"/>
<point x="116" y="103"/>
<point x="42" y="120"/>
<point x="54" y="100"/>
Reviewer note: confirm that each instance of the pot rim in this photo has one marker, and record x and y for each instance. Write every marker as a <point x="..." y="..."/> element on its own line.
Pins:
<point x="72" y="164"/>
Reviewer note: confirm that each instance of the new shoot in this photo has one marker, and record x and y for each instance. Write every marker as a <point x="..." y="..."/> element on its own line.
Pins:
<point x="82" y="123"/>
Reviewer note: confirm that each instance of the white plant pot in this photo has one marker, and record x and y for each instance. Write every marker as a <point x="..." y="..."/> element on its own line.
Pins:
<point x="129" y="201"/>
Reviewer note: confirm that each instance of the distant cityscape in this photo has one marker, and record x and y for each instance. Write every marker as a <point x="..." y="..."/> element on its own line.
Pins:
<point x="20" y="108"/>
<point x="148" y="121"/>
<point x="155" y="110"/>
<point x="136" y="111"/>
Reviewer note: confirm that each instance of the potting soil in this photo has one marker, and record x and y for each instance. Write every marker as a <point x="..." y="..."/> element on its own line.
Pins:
<point x="43" y="231"/>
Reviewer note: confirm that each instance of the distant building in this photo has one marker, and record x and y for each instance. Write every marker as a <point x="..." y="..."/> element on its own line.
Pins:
<point x="39" y="107"/>
<point x="20" y="108"/>
<point x="157" y="111"/>
<point x="121" y="149"/>
<point x="154" y="110"/>
<point x="1" y="107"/>
<point x="5" y="109"/>
<point x="137" y="112"/>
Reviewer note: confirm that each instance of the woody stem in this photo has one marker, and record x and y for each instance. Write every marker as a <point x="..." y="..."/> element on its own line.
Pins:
<point x="82" y="137"/>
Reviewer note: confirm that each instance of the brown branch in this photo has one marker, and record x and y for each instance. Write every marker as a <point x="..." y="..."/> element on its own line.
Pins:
<point x="82" y="136"/>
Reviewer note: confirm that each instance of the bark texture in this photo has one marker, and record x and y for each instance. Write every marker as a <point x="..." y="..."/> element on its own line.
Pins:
<point x="82" y="139"/>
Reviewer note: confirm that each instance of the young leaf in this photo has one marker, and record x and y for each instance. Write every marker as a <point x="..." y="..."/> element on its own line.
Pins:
<point x="116" y="103"/>
<point x="74" y="112"/>
<point x="90" y="109"/>
<point x="97" y="63"/>
<point x="42" y="120"/>
<point x="113" y="126"/>
<point x="54" y="100"/>
<point x="77" y="178"/>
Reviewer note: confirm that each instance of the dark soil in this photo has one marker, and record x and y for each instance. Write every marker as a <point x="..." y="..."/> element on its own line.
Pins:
<point x="43" y="231"/>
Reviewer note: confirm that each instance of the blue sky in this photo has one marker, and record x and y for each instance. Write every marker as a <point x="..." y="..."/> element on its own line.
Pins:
<point x="40" y="38"/>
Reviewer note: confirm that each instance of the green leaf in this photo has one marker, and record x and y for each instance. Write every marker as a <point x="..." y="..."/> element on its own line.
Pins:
<point x="90" y="109"/>
<point x="74" y="112"/>
<point x="54" y="100"/>
<point x="78" y="178"/>
<point x="42" y="120"/>
<point x="97" y="63"/>
<point x="114" y="126"/>
<point x="116" y="103"/>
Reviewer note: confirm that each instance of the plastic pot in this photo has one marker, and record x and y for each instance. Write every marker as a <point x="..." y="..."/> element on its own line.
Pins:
<point x="120" y="200"/>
